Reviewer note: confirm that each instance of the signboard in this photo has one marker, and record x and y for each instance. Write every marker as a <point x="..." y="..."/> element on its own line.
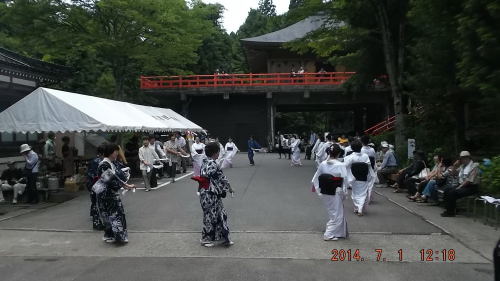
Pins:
<point x="411" y="148"/>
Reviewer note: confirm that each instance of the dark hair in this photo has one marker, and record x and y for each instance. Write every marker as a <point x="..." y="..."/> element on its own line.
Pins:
<point x="356" y="146"/>
<point x="447" y="162"/>
<point x="321" y="138"/>
<point x="420" y="154"/>
<point x="335" y="150"/>
<point x="151" y="137"/>
<point x="100" y="149"/>
<point x="329" y="137"/>
<point x="211" y="149"/>
<point x="109" y="148"/>
<point x="365" y="139"/>
<point x="65" y="139"/>
<point x="145" y="138"/>
<point x="51" y="135"/>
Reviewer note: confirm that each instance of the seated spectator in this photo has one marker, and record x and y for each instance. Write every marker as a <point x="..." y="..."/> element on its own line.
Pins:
<point x="447" y="178"/>
<point x="422" y="182"/>
<point x="406" y="176"/>
<point x="12" y="179"/>
<point x="389" y="165"/>
<point x="468" y="184"/>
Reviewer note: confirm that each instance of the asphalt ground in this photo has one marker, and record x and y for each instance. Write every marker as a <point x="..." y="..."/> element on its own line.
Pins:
<point x="276" y="222"/>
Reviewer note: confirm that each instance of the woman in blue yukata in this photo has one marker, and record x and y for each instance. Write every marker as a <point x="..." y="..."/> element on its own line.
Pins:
<point x="92" y="177"/>
<point x="111" y="179"/>
<point x="215" y="226"/>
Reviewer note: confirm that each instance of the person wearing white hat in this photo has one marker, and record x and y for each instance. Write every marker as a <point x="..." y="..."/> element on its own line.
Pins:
<point x="389" y="164"/>
<point x="468" y="179"/>
<point x="31" y="171"/>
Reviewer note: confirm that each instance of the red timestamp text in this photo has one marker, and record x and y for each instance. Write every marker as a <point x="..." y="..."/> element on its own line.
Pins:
<point x="380" y="255"/>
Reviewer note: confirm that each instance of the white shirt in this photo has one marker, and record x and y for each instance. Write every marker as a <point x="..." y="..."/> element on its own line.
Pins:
<point x="148" y="155"/>
<point x="181" y="142"/>
<point x="368" y="151"/>
<point x="321" y="154"/>
<point x="316" y="146"/>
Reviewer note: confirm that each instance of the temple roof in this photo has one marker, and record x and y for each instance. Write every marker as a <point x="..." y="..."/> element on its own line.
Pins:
<point x="290" y="33"/>
<point x="16" y="64"/>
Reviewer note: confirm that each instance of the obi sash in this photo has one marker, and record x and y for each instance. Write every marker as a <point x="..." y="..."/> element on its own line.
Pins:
<point x="360" y="171"/>
<point x="229" y="148"/>
<point x="328" y="183"/>
<point x="203" y="182"/>
<point x="199" y="151"/>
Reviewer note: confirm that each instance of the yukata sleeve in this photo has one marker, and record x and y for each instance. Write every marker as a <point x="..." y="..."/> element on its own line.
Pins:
<point x="345" y="184"/>
<point x="221" y="179"/>
<point x="315" y="179"/>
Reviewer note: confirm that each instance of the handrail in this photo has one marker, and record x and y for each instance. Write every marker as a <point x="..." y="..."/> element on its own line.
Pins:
<point x="384" y="126"/>
<point x="244" y="80"/>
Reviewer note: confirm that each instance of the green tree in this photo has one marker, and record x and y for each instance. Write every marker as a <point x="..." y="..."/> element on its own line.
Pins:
<point x="267" y="8"/>
<point x="358" y="20"/>
<point x="478" y="46"/>
<point x="432" y="74"/>
<point x="294" y="4"/>
<point x="109" y="43"/>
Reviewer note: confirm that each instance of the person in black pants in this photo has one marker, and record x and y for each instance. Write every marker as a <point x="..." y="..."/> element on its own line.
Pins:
<point x="496" y="261"/>
<point x="280" y="144"/>
<point x="31" y="172"/>
<point x="405" y="177"/>
<point x="468" y="179"/>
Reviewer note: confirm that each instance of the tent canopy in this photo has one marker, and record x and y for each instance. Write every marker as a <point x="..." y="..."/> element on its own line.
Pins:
<point x="49" y="110"/>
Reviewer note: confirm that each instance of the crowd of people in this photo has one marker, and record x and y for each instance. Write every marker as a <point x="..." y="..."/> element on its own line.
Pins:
<point x="342" y="164"/>
<point x="354" y="164"/>
<point x="108" y="173"/>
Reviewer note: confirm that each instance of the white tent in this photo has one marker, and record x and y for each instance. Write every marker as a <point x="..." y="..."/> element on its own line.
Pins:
<point x="49" y="110"/>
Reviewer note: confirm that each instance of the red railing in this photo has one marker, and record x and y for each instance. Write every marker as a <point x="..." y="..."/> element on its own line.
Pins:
<point x="244" y="80"/>
<point x="382" y="127"/>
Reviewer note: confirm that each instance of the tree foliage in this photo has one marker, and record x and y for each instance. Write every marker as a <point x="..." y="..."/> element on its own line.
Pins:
<point x="109" y="43"/>
<point x="267" y="8"/>
<point x="442" y="56"/>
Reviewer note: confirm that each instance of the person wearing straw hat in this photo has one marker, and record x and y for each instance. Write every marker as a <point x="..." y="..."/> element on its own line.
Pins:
<point x="31" y="172"/>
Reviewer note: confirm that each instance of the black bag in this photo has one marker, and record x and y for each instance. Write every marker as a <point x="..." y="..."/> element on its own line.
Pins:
<point x="229" y="148"/>
<point x="328" y="183"/>
<point x="360" y="171"/>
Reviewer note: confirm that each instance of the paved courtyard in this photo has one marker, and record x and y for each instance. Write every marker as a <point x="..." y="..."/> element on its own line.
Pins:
<point x="276" y="223"/>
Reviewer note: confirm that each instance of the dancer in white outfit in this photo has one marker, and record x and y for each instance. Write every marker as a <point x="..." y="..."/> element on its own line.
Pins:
<point x="368" y="150"/>
<point x="198" y="154"/>
<point x="231" y="151"/>
<point x="295" y="147"/>
<point x="360" y="176"/>
<point x="330" y="183"/>
<point x="321" y="154"/>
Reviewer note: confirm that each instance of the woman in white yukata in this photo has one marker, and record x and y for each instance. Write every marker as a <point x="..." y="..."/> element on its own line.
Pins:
<point x="221" y="153"/>
<point x="321" y="154"/>
<point x="330" y="183"/>
<point x="231" y="151"/>
<point x="295" y="147"/>
<point x="198" y="154"/>
<point x="360" y="176"/>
